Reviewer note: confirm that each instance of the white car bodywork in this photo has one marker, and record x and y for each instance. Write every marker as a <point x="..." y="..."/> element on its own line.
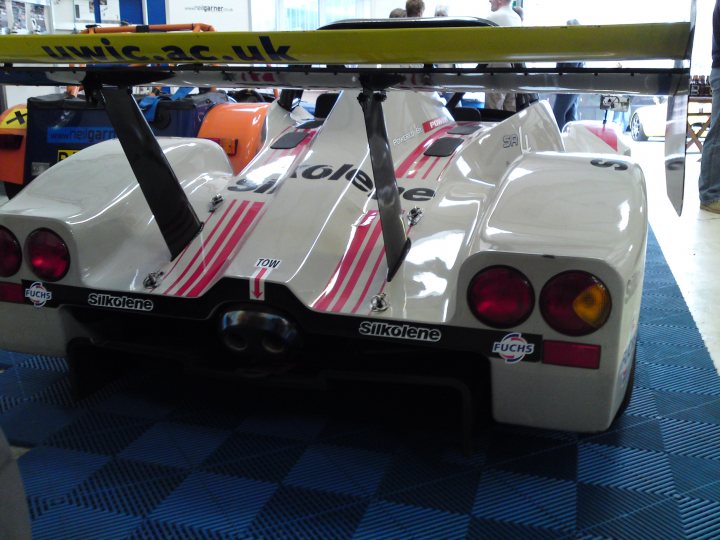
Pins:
<point x="303" y="222"/>
<point x="589" y="135"/>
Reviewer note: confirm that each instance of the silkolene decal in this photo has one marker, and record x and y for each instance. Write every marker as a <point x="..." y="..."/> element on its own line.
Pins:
<point x="359" y="178"/>
<point x="399" y="331"/>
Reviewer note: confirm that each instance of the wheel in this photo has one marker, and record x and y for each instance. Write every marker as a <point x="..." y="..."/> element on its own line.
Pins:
<point x="629" y="390"/>
<point x="636" y="129"/>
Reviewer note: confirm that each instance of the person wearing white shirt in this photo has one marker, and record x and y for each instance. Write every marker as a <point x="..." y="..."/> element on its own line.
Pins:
<point x="502" y="14"/>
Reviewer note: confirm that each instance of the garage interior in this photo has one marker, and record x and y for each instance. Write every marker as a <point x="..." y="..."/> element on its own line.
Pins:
<point x="154" y="455"/>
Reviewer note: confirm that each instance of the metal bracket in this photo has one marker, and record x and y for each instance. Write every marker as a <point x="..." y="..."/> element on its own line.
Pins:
<point x="397" y="244"/>
<point x="172" y="210"/>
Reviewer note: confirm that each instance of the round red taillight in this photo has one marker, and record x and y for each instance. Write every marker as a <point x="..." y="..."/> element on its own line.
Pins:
<point x="575" y="303"/>
<point x="47" y="255"/>
<point x="501" y="296"/>
<point x="10" y="253"/>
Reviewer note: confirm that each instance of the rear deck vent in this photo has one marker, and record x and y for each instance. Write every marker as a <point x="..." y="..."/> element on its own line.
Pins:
<point x="444" y="147"/>
<point x="465" y="129"/>
<point x="289" y="140"/>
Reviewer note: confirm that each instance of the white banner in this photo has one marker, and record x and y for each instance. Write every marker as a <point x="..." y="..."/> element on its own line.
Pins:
<point x="110" y="11"/>
<point x="224" y="15"/>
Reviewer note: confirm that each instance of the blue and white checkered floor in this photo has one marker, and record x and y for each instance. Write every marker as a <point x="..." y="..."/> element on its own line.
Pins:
<point x="143" y="460"/>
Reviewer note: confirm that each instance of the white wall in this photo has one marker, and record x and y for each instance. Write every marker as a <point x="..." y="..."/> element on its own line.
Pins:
<point x="17" y="95"/>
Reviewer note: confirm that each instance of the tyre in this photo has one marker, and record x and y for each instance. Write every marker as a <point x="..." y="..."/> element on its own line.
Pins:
<point x="636" y="129"/>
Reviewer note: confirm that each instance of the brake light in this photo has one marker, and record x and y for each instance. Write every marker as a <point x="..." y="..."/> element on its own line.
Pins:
<point x="575" y="303"/>
<point x="10" y="253"/>
<point x="47" y="254"/>
<point x="12" y="292"/>
<point x="501" y="296"/>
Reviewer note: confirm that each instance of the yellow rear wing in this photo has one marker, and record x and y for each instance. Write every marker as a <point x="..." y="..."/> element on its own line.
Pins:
<point x="373" y="56"/>
<point x="424" y="45"/>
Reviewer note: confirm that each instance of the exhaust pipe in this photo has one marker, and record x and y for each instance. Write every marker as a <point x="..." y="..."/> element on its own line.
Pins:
<point x="258" y="335"/>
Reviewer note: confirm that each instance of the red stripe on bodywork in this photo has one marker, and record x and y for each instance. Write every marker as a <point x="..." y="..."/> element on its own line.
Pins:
<point x="373" y="274"/>
<point x="419" y="166"/>
<point x="213" y="248"/>
<point x="421" y="148"/>
<point x="430" y="168"/>
<point x="334" y="284"/>
<point x="225" y="255"/>
<point x="202" y="246"/>
<point x="606" y="134"/>
<point x="359" y="268"/>
<point x="369" y="281"/>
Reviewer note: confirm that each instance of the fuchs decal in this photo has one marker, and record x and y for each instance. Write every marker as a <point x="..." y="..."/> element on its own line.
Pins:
<point x="513" y="348"/>
<point x="38" y="294"/>
<point x="399" y="331"/>
<point x="120" y="302"/>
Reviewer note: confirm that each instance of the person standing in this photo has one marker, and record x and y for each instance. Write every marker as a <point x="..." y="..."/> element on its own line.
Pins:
<point x="709" y="181"/>
<point x="502" y="14"/>
<point x="415" y="8"/>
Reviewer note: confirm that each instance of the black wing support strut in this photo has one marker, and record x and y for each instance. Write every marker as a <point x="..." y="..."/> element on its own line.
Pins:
<point x="173" y="213"/>
<point x="397" y="244"/>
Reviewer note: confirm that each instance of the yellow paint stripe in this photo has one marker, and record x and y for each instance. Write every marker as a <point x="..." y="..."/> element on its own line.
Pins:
<point x="408" y="45"/>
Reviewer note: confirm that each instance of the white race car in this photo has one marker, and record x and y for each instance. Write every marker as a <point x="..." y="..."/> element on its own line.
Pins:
<point x="383" y="239"/>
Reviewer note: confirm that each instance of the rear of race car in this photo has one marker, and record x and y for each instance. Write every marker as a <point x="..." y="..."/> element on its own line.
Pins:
<point x="385" y="227"/>
<point x="265" y="278"/>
